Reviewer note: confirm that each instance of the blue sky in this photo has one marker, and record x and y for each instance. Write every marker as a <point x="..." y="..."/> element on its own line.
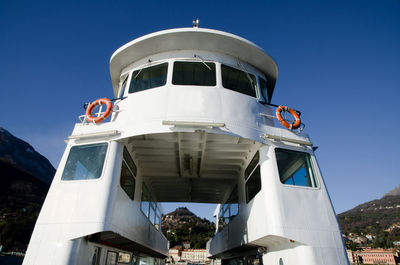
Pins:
<point x="339" y="63"/>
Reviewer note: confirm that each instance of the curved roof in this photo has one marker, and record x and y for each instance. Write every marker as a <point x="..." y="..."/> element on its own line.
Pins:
<point x="192" y="39"/>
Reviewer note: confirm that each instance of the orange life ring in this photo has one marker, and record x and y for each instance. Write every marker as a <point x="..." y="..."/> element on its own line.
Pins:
<point x="295" y="124"/>
<point x="102" y="116"/>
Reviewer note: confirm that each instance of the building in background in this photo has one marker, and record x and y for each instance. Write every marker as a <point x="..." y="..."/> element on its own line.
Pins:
<point x="373" y="256"/>
<point x="198" y="256"/>
<point x="174" y="254"/>
<point x="353" y="257"/>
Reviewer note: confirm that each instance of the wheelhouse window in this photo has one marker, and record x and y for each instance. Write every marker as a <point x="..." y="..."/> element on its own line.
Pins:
<point x="295" y="168"/>
<point x="123" y="86"/>
<point x="238" y="81"/>
<point x="264" y="89"/>
<point x="149" y="77"/>
<point x="85" y="162"/>
<point x="128" y="174"/>
<point x="194" y="74"/>
<point x="253" y="178"/>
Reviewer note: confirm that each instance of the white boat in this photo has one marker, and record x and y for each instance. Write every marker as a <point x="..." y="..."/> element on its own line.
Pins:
<point x="192" y="122"/>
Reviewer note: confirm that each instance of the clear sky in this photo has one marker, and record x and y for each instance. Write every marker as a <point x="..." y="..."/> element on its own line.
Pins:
<point x="339" y="63"/>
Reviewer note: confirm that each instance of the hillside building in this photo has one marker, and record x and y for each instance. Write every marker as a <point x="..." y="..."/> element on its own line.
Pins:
<point x="377" y="256"/>
<point x="194" y="256"/>
<point x="373" y="256"/>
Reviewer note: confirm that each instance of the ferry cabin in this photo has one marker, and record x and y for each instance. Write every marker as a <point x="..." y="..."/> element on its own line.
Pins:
<point x="192" y="124"/>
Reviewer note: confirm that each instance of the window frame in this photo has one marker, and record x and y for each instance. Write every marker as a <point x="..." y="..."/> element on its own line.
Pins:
<point x="130" y="170"/>
<point x="225" y="215"/>
<point x="102" y="170"/>
<point x="256" y="166"/>
<point x="144" y="66"/>
<point x="183" y="60"/>
<point x="313" y="166"/>
<point x="152" y="205"/>
<point x="255" y="75"/>
<point x="263" y="98"/>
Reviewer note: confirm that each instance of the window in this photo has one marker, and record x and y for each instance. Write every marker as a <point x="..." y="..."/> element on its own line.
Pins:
<point x="96" y="256"/>
<point x="253" y="178"/>
<point x="124" y="258"/>
<point x="157" y="223"/>
<point x="128" y="173"/>
<point x="149" y="208"/>
<point x="152" y="212"/>
<point x="150" y="77"/>
<point x="111" y="258"/>
<point x="194" y="74"/>
<point x="253" y="184"/>
<point x="295" y="168"/>
<point x="146" y="197"/>
<point x="253" y="163"/>
<point x="85" y="162"/>
<point x="238" y="81"/>
<point x="229" y="210"/>
<point x="123" y="86"/>
<point x="264" y="89"/>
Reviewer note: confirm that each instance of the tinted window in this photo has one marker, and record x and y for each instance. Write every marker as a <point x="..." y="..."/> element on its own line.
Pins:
<point x="128" y="173"/>
<point x="229" y="210"/>
<point x="253" y="163"/>
<point x="253" y="184"/>
<point x="128" y="159"/>
<point x="127" y="181"/>
<point x="295" y="168"/>
<point x="238" y="81"/>
<point x="194" y="73"/>
<point x="146" y="197"/>
<point x="150" y="77"/>
<point x="85" y="162"/>
<point x="263" y="88"/>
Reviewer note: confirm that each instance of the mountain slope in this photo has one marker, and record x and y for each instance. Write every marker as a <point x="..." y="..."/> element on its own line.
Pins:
<point x="22" y="155"/>
<point x="375" y="223"/>
<point x="25" y="176"/>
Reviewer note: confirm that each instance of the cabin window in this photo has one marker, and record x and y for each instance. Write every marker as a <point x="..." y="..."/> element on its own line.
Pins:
<point x="85" y="162"/>
<point x="149" y="208"/>
<point x="253" y="178"/>
<point x="111" y="258"/>
<point x="229" y="210"/>
<point x="194" y="74"/>
<point x="149" y="77"/>
<point x="264" y="89"/>
<point x="146" y="197"/>
<point x="238" y="81"/>
<point x="157" y="223"/>
<point x="128" y="173"/>
<point x="124" y="258"/>
<point x="295" y="168"/>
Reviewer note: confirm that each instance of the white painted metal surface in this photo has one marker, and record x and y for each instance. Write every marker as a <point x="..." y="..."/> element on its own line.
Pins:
<point x="190" y="143"/>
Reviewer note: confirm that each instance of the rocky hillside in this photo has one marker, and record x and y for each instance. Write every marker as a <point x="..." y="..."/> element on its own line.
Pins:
<point x="25" y="176"/>
<point x="182" y="226"/>
<point x="22" y="155"/>
<point x="375" y="223"/>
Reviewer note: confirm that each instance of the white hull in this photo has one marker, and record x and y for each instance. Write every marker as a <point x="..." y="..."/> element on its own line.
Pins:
<point x="188" y="143"/>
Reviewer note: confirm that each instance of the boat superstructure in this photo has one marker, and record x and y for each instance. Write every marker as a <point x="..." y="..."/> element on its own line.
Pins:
<point x="191" y="122"/>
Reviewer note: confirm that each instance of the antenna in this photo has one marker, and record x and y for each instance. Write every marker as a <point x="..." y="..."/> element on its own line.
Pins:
<point x="195" y="23"/>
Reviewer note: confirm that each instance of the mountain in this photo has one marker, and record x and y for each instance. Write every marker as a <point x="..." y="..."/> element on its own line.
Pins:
<point x="181" y="226"/>
<point x="375" y="223"/>
<point x="22" y="155"/>
<point x="25" y="177"/>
